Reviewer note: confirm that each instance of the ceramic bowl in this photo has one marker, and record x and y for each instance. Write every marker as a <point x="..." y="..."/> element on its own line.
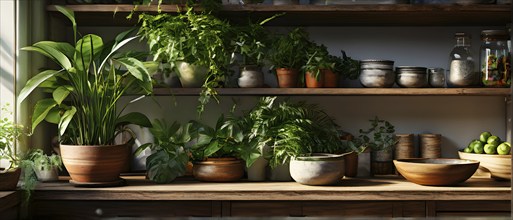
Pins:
<point x="436" y="172"/>
<point x="499" y="166"/>
<point x="318" y="169"/>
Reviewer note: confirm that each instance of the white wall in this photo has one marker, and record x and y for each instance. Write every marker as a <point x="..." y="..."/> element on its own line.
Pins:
<point x="458" y="118"/>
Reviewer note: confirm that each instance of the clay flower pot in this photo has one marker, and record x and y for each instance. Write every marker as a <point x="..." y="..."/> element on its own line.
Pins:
<point x="287" y="78"/>
<point x="218" y="170"/>
<point x="9" y="180"/>
<point x="94" y="164"/>
<point x="312" y="82"/>
<point x="330" y="78"/>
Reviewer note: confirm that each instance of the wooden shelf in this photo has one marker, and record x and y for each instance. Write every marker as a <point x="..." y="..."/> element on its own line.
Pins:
<point x="340" y="91"/>
<point x="388" y="188"/>
<point x="318" y="15"/>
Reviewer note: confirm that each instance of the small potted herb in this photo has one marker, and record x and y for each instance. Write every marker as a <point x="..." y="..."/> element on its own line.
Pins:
<point x="287" y="55"/>
<point x="45" y="166"/>
<point x="9" y="134"/>
<point x="316" y="65"/>
<point x="381" y="139"/>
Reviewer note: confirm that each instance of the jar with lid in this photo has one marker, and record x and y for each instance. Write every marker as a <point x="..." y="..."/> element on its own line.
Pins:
<point x="461" y="65"/>
<point x="495" y="58"/>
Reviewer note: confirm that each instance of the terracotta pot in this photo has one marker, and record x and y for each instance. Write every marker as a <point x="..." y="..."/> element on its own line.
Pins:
<point x="94" y="164"/>
<point x="312" y="82"/>
<point x="287" y="78"/>
<point x="9" y="180"/>
<point x="218" y="170"/>
<point x="330" y="79"/>
<point x="351" y="164"/>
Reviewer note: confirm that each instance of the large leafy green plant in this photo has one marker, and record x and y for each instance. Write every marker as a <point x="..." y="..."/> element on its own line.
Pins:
<point x="85" y="90"/>
<point x="200" y="39"/>
<point x="169" y="153"/>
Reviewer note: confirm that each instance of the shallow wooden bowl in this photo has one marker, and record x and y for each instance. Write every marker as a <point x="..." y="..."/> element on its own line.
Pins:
<point x="499" y="166"/>
<point x="436" y="172"/>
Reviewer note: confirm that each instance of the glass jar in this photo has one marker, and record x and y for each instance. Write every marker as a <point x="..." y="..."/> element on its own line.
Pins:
<point x="495" y="58"/>
<point x="461" y="65"/>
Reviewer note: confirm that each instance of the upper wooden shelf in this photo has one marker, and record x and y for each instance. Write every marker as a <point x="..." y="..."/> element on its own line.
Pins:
<point x="341" y="91"/>
<point x="319" y="15"/>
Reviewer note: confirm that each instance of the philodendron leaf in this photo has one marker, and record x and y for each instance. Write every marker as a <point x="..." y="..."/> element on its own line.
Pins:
<point x="34" y="82"/>
<point x="212" y="148"/>
<point x="87" y="49"/>
<point x="135" y="118"/>
<point x="53" y="116"/>
<point x="41" y="109"/>
<point x="59" y="52"/>
<point x="135" y="67"/>
<point x="61" y="93"/>
<point x="66" y="119"/>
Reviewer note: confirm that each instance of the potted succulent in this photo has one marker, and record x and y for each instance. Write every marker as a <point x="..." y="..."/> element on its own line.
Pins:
<point x="92" y="78"/>
<point x="169" y="157"/>
<point x="46" y="167"/>
<point x="195" y="44"/>
<point x="287" y="55"/>
<point x="9" y="134"/>
<point x="380" y="138"/>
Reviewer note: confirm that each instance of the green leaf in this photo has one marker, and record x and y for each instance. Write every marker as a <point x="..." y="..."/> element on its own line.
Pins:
<point x="141" y="148"/>
<point x="51" y="48"/>
<point x="135" y="67"/>
<point x="87" y="49"/>
<point x="135" y="118"/>
<point x="41" y="109"/>
<point x="212" y="148"/>
<point x="66" y="119"/>
<point x="53" y="116"/>
<point x="114" y="49"/>
<point x="61" y="93"/>
<point x="70" y="15"/>
<point x="34" y="82"/>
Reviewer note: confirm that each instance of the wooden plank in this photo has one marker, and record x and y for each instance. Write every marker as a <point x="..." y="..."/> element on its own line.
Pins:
<point x="430" y="208"/>
<point x="349" y="209"/>
<point x="265" y="208"/>
<point x="413" y="209"/>
<point x="390" y="189"/>
<point x="9" y="199"/>
<point x="473" y="215"/>
<point x="469" y="206"/>
<point x="341" y="91"/>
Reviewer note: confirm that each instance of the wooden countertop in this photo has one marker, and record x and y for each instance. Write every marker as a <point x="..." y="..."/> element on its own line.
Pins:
<point x="389" y="188"/>
<point x="9" y="199"/>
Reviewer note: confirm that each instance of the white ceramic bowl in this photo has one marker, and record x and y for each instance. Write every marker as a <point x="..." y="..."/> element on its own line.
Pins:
<point x="318" y="169"/>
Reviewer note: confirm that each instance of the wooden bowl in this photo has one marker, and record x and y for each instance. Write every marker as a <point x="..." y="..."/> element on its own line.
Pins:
<point x="436" y="172"/>
<point x="499" y="166"/>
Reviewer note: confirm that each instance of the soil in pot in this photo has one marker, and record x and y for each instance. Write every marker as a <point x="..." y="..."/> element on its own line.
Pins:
<point x="314" y="82"/>
<point x="9" y="179"/>
<point x="218" y="170"/>
<point x="287" y="78"/>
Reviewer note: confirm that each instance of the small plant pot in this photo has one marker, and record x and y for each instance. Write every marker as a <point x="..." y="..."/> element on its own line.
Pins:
<point x="251" y="77"/>
<point x="330" y="79"/>
<point x="218" y="170"/>
<point x="287" y="78"/>
<point x="49" y="175"/>
<point x="191" y="76"/>
<point x="257" y="171"/>
<point x="318" y="169"/>
<point x="351" y="164"/>
<point x="312" y="81"/>
<point x="9" y="180"/>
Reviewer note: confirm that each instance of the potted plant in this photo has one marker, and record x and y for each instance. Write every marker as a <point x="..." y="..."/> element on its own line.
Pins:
<point x="169" y="157"/>
<point x="252" y="44"/>
<point x="9" y="134"/>
<point x="380" y="138"/>
<point x="46" y="167"/>
<point x="92" y="78"/>
<point x="317" y="64"/>
<point x="216" y="151"/>
<point x="287" y="55"/>
<point x="195" y="44"/>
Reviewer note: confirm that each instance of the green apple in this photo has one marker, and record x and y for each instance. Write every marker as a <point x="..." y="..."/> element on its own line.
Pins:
<point x="490" y="149"/>
<point x="494" y="140"/>
<point x="484" y="136"/>
<point x="478" y="147"/>
<point x="504" y="148"/>
<point x="468" y="150"/>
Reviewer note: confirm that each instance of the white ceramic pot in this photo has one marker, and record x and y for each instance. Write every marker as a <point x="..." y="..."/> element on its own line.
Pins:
<point x="318" y="169"/>
<point x="191" y="76"/>
<point x="257" y="171"/>
<point x="251" y="77"/>
<point x="47" y="175"/>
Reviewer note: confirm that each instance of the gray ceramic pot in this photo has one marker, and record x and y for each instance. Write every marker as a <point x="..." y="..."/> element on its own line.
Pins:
<point x="318" y="169"/>
<point x="251" y="77"/>
<point x="377" y="73"/>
